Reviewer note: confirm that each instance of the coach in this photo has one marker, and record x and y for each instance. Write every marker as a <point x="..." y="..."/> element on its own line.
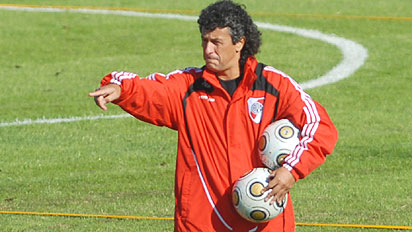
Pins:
<point x="220" y="111"/>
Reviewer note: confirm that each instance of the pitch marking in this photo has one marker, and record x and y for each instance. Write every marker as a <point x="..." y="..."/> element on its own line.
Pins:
<point x="60" y="120"/>
<point x="354" y="54"/>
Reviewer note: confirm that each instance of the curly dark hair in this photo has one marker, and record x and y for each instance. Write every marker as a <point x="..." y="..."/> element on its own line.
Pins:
<point x="229" y="14"/>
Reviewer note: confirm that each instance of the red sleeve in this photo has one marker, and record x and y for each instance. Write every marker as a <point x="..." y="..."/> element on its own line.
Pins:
<point x="318" y="134"/>
<point x="155" y="99"/>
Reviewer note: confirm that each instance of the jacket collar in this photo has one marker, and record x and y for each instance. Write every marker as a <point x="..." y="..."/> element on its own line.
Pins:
<point x="248" y="72"/>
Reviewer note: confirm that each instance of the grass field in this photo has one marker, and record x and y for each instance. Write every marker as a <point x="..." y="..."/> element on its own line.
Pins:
<point x="50" y="61"/>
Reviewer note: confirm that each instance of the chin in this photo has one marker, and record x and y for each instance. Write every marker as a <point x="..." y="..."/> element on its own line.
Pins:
<point x="212" y="67"/>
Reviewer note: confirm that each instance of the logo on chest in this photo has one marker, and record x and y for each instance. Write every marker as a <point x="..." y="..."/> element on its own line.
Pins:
<point x="255" y="106"/>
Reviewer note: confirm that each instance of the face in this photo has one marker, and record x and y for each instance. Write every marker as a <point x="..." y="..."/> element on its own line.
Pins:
<point x="219" y="52"/>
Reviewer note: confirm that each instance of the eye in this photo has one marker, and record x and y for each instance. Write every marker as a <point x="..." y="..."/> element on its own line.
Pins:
<point x="217" y="42"/>
<point x="204" y="41"/>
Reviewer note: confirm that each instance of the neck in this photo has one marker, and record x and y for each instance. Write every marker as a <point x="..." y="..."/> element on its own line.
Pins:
<point x="229" y="74"/>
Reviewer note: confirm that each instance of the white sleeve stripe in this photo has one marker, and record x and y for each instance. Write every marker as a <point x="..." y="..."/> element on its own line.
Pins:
<point x="309" y="129"/>
<point x="294" y="158"/>
<point x="153" y="76"/>
<point x="174" y="72"/>
<point x="313" y="106"/>
<point x="179" y="71"/>
<point x="114" y="81"/>
<point x="127" y="76"/>
<point x="308" y="119"/>
<point x="287" y="166"/>
<point x="305" y="141"/>
<point x="310" y="112"/>
<point x="118" y="77"/>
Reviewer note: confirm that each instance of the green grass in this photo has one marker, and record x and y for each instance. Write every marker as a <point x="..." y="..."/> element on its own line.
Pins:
<point x="50" y="61"/>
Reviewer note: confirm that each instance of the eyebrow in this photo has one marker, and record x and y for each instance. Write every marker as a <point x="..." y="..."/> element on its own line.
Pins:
<point x="217" y="39"/>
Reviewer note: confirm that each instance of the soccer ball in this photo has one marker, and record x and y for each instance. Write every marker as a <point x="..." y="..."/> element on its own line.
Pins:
<point x="248" y="199"/>
<point x="277" y="141"/>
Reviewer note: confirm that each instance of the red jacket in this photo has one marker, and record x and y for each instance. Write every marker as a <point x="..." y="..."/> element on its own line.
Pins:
<point x="218" y="134"/>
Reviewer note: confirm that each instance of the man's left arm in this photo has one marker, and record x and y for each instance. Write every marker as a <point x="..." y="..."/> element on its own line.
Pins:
<point x="318" y="138"/>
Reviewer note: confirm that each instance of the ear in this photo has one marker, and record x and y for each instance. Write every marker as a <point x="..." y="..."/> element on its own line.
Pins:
<point x="239" y="44"/>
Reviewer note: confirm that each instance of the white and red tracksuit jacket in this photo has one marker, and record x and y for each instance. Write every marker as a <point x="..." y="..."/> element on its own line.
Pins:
<point x="218" y="134"/>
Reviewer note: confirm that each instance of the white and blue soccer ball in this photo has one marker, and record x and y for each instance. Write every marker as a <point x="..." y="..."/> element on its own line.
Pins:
<point x="248" y="199"/>
<point x="278" y="140"/>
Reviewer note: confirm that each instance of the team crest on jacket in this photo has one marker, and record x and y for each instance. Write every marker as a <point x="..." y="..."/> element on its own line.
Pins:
<point x="255" y="106"/>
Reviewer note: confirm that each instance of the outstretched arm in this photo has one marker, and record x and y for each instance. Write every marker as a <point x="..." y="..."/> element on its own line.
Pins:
<point x="106" y="94"/>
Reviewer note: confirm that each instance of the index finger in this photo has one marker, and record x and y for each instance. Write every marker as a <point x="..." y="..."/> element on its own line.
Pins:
<point x="98" y="92"/>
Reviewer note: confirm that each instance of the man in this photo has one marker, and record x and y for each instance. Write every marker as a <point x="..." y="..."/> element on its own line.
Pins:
<point x="220" y="111"/>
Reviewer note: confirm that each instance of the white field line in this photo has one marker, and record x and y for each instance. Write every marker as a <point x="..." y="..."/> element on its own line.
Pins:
<point x="354" y="54"/>
<point x="23" y="122"/>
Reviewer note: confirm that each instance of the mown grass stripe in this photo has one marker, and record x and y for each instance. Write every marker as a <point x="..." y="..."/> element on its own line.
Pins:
<point x="392" y="227"/>
<point x="196" y="12"/>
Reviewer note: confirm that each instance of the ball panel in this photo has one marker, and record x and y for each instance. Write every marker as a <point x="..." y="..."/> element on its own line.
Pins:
<point x="281" y="139"/>
<point x="258" y="215"/>
<point x="282" y="204"/>
<point x="281" y="159"/>
<point x="248" y="199"/>
<point x="235" y="197"/>
<point x="256" y="189"/>
<point x="286" y="132"/>
<point x="262" y="143"/>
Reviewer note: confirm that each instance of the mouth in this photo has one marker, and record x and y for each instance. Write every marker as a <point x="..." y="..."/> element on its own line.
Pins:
<point x="210" y="59"/>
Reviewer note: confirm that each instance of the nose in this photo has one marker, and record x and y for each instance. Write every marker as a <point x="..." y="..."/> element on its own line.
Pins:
<point x="208" y="48"/>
